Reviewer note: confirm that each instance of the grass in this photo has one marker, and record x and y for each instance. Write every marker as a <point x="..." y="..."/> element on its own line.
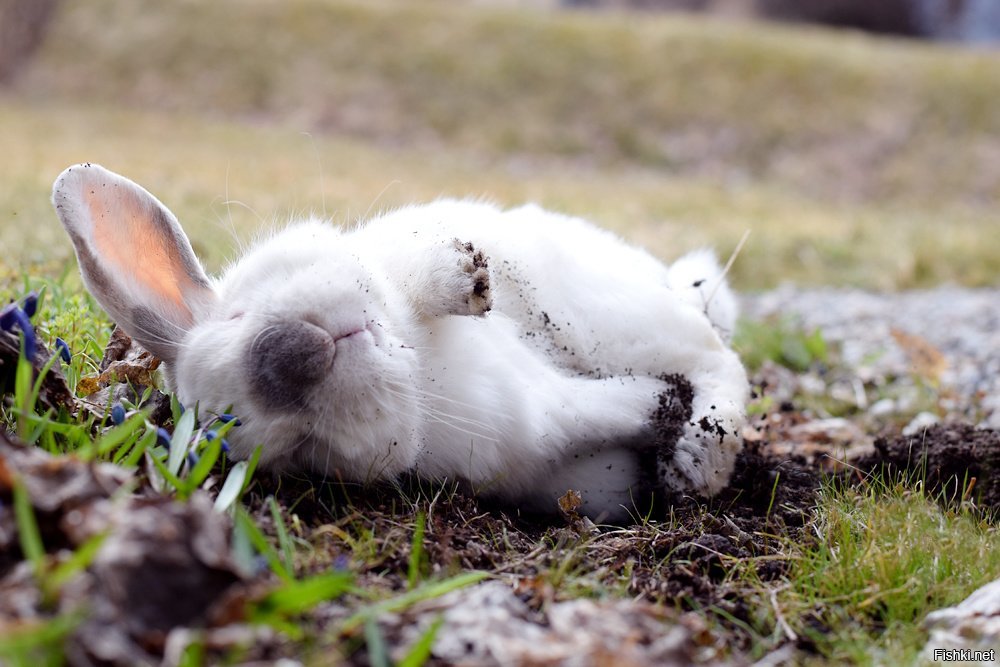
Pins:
<point x="853" y="161"/>
<point x="811" y="109"/>
<point x="884" y="557"/>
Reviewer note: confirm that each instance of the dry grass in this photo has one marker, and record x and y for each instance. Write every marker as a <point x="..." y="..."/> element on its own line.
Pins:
<point x="854" y="161"/>
<point x="832" y="116"/>
<point x="196" y="165"/>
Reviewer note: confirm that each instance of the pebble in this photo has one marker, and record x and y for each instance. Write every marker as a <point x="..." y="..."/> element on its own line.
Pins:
<point x="969" y="627"/>
<point x="921" y="423"/>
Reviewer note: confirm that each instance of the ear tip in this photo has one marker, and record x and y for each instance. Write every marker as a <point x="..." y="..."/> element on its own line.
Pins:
<point x="75" y="175"/>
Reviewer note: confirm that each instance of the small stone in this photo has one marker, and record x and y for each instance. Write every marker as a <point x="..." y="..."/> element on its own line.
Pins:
<point x="883" y="408"/>
<point x="921" y="423"/>
<point x="971" y="625"/>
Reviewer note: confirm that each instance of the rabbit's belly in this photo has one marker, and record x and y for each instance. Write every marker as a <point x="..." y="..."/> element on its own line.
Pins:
<point x="500" y="415"/>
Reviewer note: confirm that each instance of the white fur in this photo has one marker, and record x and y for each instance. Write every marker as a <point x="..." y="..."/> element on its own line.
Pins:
<point x="553" y="388"/>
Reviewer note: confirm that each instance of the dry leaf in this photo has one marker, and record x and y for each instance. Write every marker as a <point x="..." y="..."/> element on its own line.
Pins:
<point x="928" y="362"/>
<point x="570" y="502"/>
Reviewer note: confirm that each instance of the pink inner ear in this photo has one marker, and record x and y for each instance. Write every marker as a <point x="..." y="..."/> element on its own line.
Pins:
<point x="126" y="236"/>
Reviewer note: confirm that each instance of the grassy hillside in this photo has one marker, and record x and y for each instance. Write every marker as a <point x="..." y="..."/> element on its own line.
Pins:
<point x="826" y="114"/>
<point x="831" y="148"/>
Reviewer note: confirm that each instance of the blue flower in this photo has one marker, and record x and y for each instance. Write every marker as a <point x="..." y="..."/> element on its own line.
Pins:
<point x="63" y="349"/>
<point x="7" y="318"/>
<point x="29" y="333"/>
<point x="12" y="316"/>
<point x="163" y="437"/>
<point x="118" y="414"/>
<point x="30" y="304"/>
<point x="212" y="435"/>
<point x="225" y="418"/>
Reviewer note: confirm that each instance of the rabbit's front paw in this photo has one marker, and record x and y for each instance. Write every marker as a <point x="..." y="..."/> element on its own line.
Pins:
<point x="474" y="282"/>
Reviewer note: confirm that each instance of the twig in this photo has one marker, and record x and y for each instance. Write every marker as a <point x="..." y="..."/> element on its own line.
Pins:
<point x="725" y="269"/>
<point x="787" y="629"/>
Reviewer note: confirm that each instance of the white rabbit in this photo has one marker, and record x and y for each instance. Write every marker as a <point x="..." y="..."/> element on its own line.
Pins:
<point x="525" y="352"/>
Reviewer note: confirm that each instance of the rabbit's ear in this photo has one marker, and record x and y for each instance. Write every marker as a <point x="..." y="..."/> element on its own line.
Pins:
<point x="134" y="256"/>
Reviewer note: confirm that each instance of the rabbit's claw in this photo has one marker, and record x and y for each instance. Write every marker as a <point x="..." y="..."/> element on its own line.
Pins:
<point x="475" y="279"/>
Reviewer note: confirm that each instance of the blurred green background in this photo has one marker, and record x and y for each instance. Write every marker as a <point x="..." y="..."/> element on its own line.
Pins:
<point x="853" y="159"/>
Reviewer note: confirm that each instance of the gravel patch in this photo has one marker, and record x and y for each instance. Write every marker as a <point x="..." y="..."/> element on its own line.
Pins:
<point x="946" y="337"/>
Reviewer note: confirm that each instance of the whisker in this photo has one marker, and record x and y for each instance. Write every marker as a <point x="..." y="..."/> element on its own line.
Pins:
<point x="379" y="196"/>
<point x="252" y="210"/>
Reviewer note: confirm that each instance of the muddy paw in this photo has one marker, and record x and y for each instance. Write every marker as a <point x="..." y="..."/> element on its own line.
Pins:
<point x="474" y="265"/>
<point x="671" y="419"/>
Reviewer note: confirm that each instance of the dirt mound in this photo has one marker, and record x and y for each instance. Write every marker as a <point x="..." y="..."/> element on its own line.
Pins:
<point x="959" y="462"/>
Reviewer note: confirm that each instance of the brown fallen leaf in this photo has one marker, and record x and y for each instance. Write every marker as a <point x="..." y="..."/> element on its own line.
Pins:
<point x="126" y="371"/>
<point x="570" y="503"/>
<point x="928" y="362"/>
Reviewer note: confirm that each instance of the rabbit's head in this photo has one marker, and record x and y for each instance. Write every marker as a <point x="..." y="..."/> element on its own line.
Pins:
<point x="311" y="349"/>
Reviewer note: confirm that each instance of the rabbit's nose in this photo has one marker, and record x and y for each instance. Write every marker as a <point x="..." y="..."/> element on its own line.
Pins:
<point x="287" y="359"/>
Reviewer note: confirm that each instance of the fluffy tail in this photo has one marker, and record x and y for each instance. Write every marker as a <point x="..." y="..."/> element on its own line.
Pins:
<point x="697" y="278"/>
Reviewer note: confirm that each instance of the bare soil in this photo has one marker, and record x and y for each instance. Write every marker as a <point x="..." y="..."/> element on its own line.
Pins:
<point x="957" y="462"/>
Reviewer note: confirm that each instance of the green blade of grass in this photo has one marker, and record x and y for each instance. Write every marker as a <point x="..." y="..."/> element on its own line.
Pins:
<point x="171" y="479"/>
<point x="251" y="468"/>
<point x="36" y="390"/>
<point x="28" y="534"/>
<point x="22" y="392"/>
<point x="194" y="653"/>
<point x="420" y="652"/>
<point x="243" y="551"/>
<point x="284" y="541"/>
<point x="232" y="488"/>
<point x="80" y="560"/>
<point x="378" y="654"/>
<point x="427" y="591"/>
<point x="259" y="541"/>
<point x="119" y="434"/>
<point x="129" y="457"/>
<point x="37" y="643"/>
<point x="416" y="552"/>
<point x="297" y="597"/>
<point x="203" y="467"/>
<point x="179" y="442"/>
